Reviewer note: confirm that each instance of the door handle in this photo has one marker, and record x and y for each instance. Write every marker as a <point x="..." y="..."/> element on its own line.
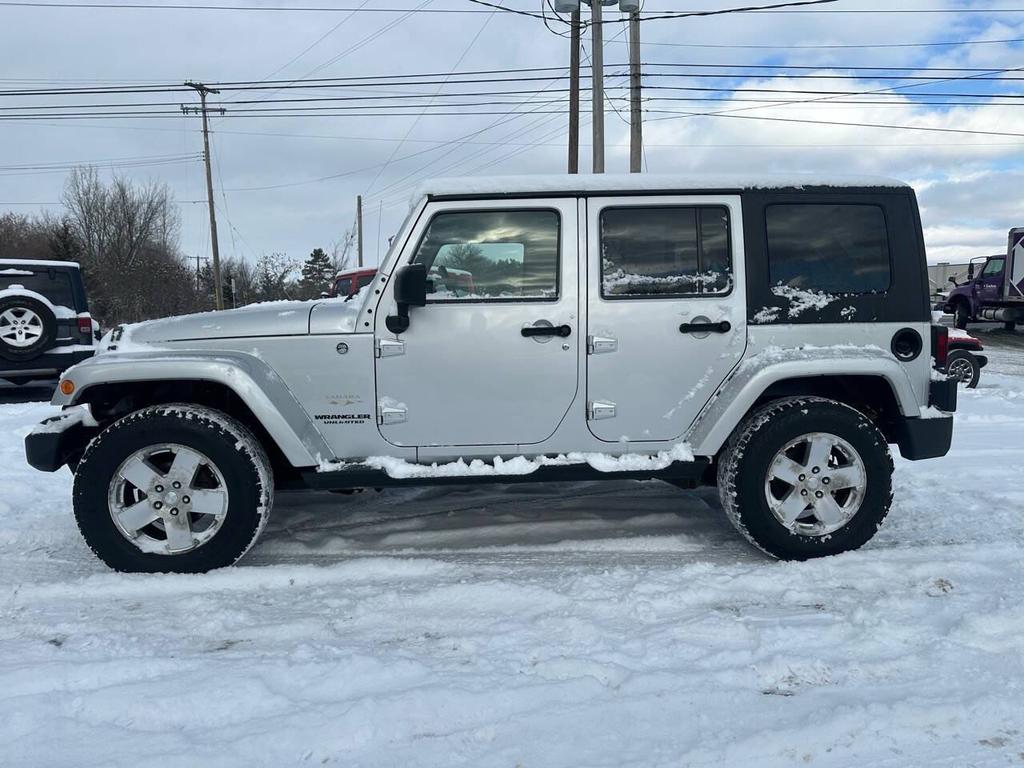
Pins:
<point x="547" y="330"/>
<point x="723" y="327"/>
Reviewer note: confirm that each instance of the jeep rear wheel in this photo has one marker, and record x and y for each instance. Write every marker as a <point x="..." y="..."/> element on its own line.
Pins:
<point x="174" y="488"/>
<point x="806" y="477"/>
<point x="27" y="326"/>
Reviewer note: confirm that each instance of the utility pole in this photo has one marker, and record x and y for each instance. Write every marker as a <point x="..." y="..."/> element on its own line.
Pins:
<point x="636" y="126"/>
<point x="574" y="92"/>
<point x="203" y="91"/>
<point x="597" y="84"/>
<point x="359" y="228"/>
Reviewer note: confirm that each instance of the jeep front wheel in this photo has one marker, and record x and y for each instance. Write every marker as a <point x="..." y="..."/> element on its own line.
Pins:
<point x="173" y="488"/>
<point x="961" y="315"/>
<point x="806" y="477"/>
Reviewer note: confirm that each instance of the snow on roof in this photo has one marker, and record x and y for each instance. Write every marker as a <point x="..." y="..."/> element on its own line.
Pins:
<point x="37" y="263"/>
<point x="639" y="182"/>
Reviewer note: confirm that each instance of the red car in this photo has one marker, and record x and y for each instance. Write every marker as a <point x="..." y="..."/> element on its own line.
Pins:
<point x="347" y="283"/>
<point x="963" y="362"/>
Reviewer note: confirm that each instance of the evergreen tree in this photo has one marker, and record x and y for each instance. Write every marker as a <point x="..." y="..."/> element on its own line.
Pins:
<point x="317" y="273"/>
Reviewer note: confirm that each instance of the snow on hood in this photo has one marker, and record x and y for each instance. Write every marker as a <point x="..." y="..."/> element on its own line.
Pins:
<point x="272" y="318"/>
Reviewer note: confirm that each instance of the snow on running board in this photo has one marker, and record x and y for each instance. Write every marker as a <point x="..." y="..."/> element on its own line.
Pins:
<point x="400" y="469"/>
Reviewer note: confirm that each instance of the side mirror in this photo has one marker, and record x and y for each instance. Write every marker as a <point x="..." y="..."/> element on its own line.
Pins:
<point x="953" y="280"/>
<point x="970" y="271"/>
<point x="410" y="291"/>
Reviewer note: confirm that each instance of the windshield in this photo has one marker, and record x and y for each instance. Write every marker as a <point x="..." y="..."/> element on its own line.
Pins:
<point x="994" y="267"/>
<point x="55" y="285"/>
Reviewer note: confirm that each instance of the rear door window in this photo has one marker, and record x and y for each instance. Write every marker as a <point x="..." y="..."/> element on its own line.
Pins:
<point x="664" y="252"/>
<point x="833" y="248"/>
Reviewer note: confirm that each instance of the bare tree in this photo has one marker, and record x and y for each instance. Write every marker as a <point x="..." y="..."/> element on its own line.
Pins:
<point x="341" y="251"/>
<point x="128" y="238"/>
<point x="117" y="223"/>
<point x="274" y="277"/>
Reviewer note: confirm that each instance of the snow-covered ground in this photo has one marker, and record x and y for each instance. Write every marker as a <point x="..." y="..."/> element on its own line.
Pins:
<point x="620" y="624"/>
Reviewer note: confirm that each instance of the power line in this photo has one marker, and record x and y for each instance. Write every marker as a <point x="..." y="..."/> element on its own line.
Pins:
<point x="230" y="7"/>
<point x="430" y="78"/>
<point x="966" y="131"/>
<point x="829" y="47"/>
<point x="782" y="8"/>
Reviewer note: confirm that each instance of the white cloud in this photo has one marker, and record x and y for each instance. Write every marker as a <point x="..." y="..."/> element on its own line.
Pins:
<point x="966" y="182"/>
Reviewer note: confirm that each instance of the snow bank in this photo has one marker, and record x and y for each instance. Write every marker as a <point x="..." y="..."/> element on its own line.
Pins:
<point x="608" y="625"/>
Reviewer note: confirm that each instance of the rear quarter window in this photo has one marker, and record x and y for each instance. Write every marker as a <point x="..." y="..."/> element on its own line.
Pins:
<point x="840" y="248"/>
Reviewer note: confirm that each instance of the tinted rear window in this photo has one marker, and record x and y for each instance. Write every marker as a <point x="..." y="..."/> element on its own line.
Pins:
<point x="55" y="286"/>
<point x="840" y="248"/>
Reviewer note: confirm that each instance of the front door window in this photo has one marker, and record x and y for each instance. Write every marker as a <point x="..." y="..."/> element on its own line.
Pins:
<point x="492" y="256"/>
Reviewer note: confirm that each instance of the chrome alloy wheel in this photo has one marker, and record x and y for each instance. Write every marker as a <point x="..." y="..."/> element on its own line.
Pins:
<point x="168" y="499"/>
<point x="20" y="327"/>
<point x="815" y="484"/>
<point x="961" y="370"/>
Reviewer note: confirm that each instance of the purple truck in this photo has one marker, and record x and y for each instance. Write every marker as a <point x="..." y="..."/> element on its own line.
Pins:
<point x="996" y="291"/>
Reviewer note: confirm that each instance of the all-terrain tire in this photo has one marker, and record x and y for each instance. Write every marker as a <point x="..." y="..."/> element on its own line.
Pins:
<point x="44" y="323"/>
<point x="961" y="315"/>
<point x="229" y="445"/>
<point x="744" y="466"/>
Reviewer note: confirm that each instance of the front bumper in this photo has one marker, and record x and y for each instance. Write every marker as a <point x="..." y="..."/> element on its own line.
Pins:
<point x="930" y="437"/>
<point x="60" y="439"/>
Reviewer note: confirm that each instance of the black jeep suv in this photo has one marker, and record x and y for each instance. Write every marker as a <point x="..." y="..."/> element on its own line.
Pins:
<point x="45" y="325"/>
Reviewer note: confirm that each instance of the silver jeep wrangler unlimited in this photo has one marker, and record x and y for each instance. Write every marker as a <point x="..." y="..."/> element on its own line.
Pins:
<point x="772" y="337"/>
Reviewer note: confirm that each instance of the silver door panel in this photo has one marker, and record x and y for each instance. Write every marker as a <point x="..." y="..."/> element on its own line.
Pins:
<point x="657" y="377"/>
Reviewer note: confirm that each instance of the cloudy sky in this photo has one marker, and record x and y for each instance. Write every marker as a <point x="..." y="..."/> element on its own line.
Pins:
<point x="287" y="180"/>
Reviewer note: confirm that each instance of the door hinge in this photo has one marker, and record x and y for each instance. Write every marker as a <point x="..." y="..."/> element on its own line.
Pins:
<point x="388" y="414"/>
<point x="598" y="345"/>
<point x="598" y="410"/>
<point x="390" y="348"/>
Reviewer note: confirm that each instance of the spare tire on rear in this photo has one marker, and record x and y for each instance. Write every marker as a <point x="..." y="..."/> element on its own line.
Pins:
<point x="27" y="327"/>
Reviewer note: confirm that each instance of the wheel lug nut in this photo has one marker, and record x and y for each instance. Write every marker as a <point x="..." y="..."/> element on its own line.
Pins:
<point x="186" y="500"/>
<point x="158" y="505"/>
<point x="819" y="494"/>
<point x="802" y="478"/>
<point x="176" y="484"/>
<point x="825" y="481"/>
<point x="174" y="511"/>
<point x="803" y="492"/>
<point x="816" y="470"/>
